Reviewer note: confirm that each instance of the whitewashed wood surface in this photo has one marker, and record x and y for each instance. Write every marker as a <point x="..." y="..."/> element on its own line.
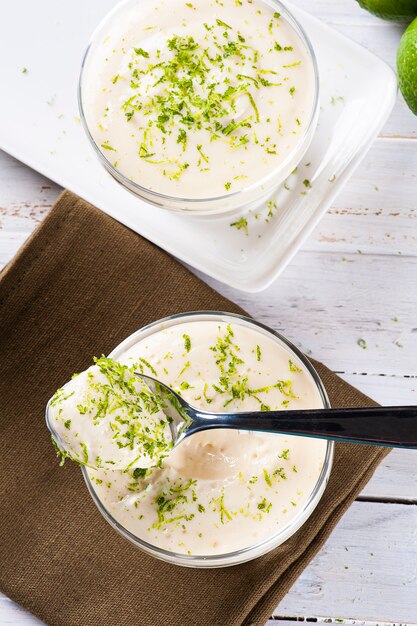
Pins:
<point x="355" y="278"/>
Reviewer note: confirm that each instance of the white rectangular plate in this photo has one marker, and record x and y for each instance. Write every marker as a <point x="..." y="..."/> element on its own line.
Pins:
<point x="39" y="125"/>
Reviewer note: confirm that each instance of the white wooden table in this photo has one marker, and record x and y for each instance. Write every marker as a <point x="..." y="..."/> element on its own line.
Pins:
<point x="356" y="278"/>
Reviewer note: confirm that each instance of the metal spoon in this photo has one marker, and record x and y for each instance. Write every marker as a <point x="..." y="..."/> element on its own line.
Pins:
<point x="394" y="426"/>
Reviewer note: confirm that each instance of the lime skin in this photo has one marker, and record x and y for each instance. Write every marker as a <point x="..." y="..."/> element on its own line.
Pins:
<point x="395" y="10"/>
<point x="407" y="66"/>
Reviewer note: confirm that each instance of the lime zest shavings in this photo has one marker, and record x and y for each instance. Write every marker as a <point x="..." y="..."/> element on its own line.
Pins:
<point x="114" y="396"/>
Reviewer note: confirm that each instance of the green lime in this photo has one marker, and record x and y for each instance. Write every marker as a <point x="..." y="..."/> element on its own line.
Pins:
<point x="407" y="66"/>
<point x="396" y="10"/>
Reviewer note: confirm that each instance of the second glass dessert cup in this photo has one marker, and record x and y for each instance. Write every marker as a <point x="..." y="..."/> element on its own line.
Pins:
<point x="250" y="197"/>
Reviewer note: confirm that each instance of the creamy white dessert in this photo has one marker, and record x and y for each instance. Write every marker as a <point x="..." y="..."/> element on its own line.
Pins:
<point x="198" y="99"/>
<point x="220" y="490"/>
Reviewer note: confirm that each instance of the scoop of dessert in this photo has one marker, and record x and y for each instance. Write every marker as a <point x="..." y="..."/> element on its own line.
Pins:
<point x="106" y="417"/>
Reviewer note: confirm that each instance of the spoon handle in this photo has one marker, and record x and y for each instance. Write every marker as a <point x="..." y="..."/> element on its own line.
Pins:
<point x="382" y="426"/>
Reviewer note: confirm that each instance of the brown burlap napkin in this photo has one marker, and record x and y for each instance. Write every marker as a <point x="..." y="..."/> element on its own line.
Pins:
<point x="79" y="286"/>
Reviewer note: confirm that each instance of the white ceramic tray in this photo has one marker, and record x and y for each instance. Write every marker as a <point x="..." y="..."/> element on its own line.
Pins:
<point x="39" y="125"/>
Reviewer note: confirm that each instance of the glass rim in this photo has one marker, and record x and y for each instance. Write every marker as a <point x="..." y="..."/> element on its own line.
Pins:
<point x="156" y="195"/>
<point x="262" y="547"/>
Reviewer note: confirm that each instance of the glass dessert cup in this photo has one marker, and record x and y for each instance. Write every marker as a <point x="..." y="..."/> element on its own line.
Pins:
<point x="250" y="197"/>
<point x="285" y="532"/>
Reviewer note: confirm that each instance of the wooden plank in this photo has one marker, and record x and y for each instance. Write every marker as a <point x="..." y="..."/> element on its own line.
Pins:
<point x="23" y="188"/>
<point x="11" y="614"/>
<point x="385" y="389"/>
<point x="327" y="303"/>
<point x="395" y="479"/>
<point x="376" y="212"/>
<point x="367" y="570"/>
